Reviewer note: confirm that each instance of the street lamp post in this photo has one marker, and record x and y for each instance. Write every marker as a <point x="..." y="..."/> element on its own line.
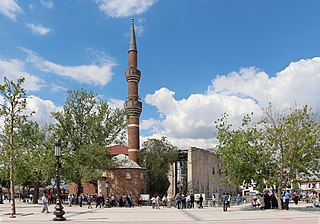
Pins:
<point x="107" y="197"/>
<point x="58" y="208"/>
<point x="1" y="201"/>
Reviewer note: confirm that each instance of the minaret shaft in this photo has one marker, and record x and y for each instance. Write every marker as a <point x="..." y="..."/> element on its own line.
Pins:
<point x="133" y="59"/>
<point x="133" y="106"/>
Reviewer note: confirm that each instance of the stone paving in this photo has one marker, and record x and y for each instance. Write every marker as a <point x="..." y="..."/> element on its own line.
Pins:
<point x="29" y="213"/>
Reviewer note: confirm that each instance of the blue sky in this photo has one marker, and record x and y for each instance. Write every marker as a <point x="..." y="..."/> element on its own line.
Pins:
<point x="198" y="58"/>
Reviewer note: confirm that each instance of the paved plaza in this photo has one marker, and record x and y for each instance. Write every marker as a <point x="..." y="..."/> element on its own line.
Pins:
<point x="29" y="213"/>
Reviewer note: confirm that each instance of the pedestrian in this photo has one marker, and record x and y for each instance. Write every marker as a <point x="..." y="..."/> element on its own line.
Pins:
<point x="164" y="201"/>
<point x="200" y="201"/>
<point x="130" y="201"/>
<point x="70" y="200"/>
<point x="183" y="201"/>
<point x="287" y="198"/>
<point x="103" y="200"/>
<point x="89" y="200"/>
<point x="262" y="206"/>
<point x="80" y="199"/>
<point x="157" y="202"/>
<point x="267" y="200"/>
<point x="238" y="199"/>
<point x="49" y="198"/>
<point x="153" y="202"/>
<point x="296" y="198"/>
<point x="228" y="200"/>
<point x="45" y="204"/>
<point x="112" y="201"/>
<point x="31" y="196"/>
<point x="188" y="199"/>
<point x="224" y="200"/>
<point x="98" y="201"/>
<point x="213" y="200"/>
<point x="192" y="200"/>
<point x="178" y="200"/>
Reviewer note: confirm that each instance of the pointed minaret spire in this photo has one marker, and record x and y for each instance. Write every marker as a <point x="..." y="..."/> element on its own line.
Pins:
<point x="133" y="45"/>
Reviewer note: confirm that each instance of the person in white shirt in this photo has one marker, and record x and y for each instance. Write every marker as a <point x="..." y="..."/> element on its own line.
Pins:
<point x="213" y="200"/>
<point x="45" y="204"/>
<point x="164" y="201"/>
<point x="153" y="202"/>
<point x="157" y="202"/>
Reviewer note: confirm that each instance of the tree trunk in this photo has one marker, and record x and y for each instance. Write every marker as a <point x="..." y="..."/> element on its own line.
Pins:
<point x="12" y="198"/>
<point x="36" y="193"/>
<point x="278" y="197"/>
<point x="79" y="190"/>
<point x="11" y="165"/>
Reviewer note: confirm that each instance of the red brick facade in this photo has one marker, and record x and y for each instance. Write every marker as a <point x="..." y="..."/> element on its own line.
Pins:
<point x="87" y="188"/>
<point x="127" y="181"/>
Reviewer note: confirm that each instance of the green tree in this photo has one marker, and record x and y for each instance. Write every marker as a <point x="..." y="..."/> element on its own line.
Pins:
<point x="275" y="150"/>
<point x="241" y="151"/>
<point x="35" y="164"/>
<point x="292" y="140"/>
<point x="157" y="156"/>
<point x="87" y="126"/>
<point x="11" y="111"/>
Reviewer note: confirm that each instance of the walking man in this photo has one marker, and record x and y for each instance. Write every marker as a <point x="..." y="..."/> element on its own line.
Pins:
<point x="213" y="200"/>
<point x="224" y="200"/>
<point x="200" y="201"/>
<point x="45" y="204"/>
<point x="287" y="197"/>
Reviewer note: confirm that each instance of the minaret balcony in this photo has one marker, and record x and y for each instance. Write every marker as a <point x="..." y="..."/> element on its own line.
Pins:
<point x="133" y="107"/>
<point x="133" y="75"/>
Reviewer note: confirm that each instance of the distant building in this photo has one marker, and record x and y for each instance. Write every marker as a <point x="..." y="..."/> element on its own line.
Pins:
<point x="198" y="171"/>
<point x="310" y="185"/>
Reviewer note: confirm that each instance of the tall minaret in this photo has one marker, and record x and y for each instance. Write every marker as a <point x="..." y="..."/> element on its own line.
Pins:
<point x="133" y="106"/>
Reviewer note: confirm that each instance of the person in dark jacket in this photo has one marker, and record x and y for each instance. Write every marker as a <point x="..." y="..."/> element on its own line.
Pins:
<point x="98" y="201"/>
<point x="200" y="201"/>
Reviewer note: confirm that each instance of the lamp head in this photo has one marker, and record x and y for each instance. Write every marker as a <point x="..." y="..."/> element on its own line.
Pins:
<point x="57" y="148"/>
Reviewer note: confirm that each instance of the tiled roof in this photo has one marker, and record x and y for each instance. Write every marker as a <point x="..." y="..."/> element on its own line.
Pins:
<point x="124" y="162"/>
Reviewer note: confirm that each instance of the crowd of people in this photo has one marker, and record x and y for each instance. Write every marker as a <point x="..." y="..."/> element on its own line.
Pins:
<point x="266" y="200"/>
<point x="179" y="201"/>
<point x="124" y="200"/>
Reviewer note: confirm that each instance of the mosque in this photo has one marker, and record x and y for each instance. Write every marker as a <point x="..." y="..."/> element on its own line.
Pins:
<point x="127" y="177"/>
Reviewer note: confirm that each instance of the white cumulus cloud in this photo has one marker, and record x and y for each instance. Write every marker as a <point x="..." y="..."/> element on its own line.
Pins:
<point x="150" y="123"/>
<point x="123" y="8"/>
<point x="94" y="74"/>
<point x="190" y="122"/>
<point x="193" y="119"/>
<point x="10" y="8"/>
<point x="296" y="84"/>
<point x="116" y="103"/>
<point x="14" y="68"/>
<point x="38" y="29"/>
<point x="42" y="109"/>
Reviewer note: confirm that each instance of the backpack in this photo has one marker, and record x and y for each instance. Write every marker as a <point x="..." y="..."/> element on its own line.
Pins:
<point x="225" y="200"/>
